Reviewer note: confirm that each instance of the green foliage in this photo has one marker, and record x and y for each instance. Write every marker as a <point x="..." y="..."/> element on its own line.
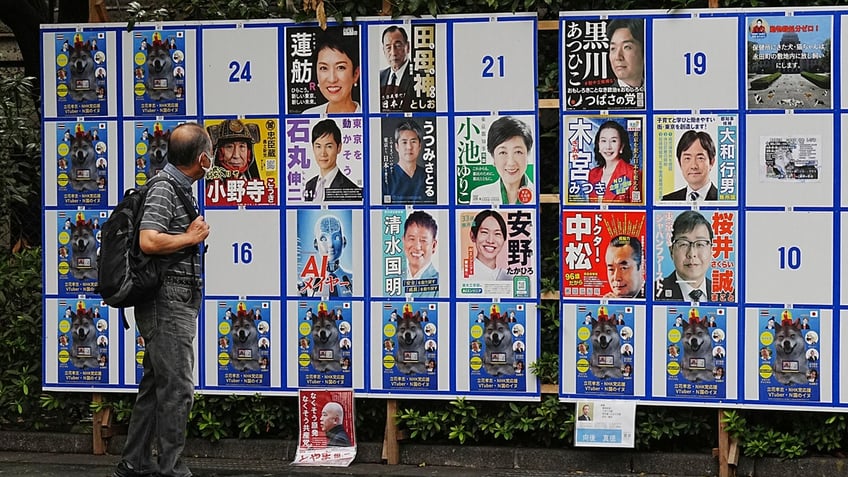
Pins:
<point x="785" y="435"/>
<point x="674" y="429"/>
<point x="20" y="151"/>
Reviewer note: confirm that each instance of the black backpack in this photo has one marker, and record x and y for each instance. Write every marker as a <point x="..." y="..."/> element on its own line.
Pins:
<point x="128" y="276"/>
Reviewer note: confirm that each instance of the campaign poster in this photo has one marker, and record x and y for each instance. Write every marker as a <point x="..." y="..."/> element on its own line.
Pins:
<point x="408" y="67"/>
<point x="159" y="72"/>
<point x="413" y="242"/>
<point x="79" y="244"/>
<point x="696" y="357"/>
<point x="327" y="433"/>
<point x="605" y="349"/>
<point x="497" y="253"/>
<point x="325" y="248"/>
<point x="603" y="254"/>
<point x="789" y="355"/>
<point x="408" y="160"/>
<point x="324" y="343"/>
<point x="790" y="158"/>
<point x="324" y="160"/>
<point x="495" y="160"/>
<point x="604" y="64"/>
<point x="82" y="166"/>
<point x="244" y="169"/>
<point x="410" y="346"/>
<point x="81" y="66"/>
<point x="322" y="70"/>
<point x="695" y="255"/>
<point x="244" y="343"/>
<point x="83" y="342"/>
<point x="150" y="143"/>
<point x="139" y="348"/>
<point x="498" y="343"/>
<point x="696" y="153"/>
<point x="789" y="62"/>
<point x="604" y="159"/>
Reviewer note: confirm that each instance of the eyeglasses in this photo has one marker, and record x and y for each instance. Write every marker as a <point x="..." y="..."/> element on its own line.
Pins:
<point x="686" y="245"/>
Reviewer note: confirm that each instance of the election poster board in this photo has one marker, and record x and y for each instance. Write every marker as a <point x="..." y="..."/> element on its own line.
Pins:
<point x="738" y="151"/>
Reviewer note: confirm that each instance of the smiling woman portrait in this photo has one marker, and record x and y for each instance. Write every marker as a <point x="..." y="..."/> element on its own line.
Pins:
<point x="336" y="61"/>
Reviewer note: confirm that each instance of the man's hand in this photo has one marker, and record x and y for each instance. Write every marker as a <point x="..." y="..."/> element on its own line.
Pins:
<point x="198" y="230"/>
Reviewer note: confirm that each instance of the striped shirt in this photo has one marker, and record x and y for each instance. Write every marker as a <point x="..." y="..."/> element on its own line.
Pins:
<point x="165" y="212"/>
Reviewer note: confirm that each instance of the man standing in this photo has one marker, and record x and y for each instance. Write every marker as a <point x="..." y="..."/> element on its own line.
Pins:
<point x="168" y="323"/>
<point x="419" y="244"/>
<point x="696" y="155"/>
<point x="405" y="182"/>
<point x="330" y="183"/>
<point x="691" y="251"/>
<point x="396" y="82"/>
<point x="332" y="419"/>
<point x="624" y="268"/>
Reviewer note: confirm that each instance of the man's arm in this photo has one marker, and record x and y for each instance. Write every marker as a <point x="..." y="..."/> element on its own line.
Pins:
<point x="154" y="242"/>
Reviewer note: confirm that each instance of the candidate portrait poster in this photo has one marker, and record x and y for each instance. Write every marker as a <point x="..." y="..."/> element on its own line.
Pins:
<point x="605" y="349"/>
<point x="497" y="253"/>
<point x="789" y="62"/>
<point x="696" y="153"/>
<point x="695" y="255"/>
<point x="323" y="70"/>
<point x="159" y="72"/>
<point x="410" y="336"/>
<point x="495" y="160"/>
<point x="789" y="342"/>
<point x="408" y="160"/>
<point x="603" y="64"/>
<point x="604" y="159"/>
<point x="603" y="254"/>
<point x="245" y="167"/>
<point x="497" y="346"/>
<point x="327" y="432"/>
<point x="82" y="164"/>
<point x="696" y="352"/>
<point x="81" y="67"/>
<point x="415" y="250"/>
<point x="324" y="160"/>
<point x="408" y="70"/>
<point x="325" y="343"/>
<point x="245" y="339"/>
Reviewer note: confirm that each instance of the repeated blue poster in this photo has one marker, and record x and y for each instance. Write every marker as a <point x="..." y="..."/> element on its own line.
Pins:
<point x="81" y="66"/>
<point x="82" y="164"/>
<point x="83" y="343"/>
<point x="325" y="343"/>
<point x="789" y="353"/>
<point x="410" y="345"/>
<point x="605" y="348"/>
<point x="159" y="72"/>
<point x="696" y="361"/>
<point x="497" y="342"/>
<point x="245" y="339"/>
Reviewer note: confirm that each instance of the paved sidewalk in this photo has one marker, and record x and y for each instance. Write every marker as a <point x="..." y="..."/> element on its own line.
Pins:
<point x="81" y="465"/>
<point x="70" y="455"/>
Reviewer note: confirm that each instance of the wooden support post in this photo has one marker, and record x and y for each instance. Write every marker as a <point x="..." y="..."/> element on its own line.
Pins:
<point x="100" y="431"/>
<point x="97" y="11"/>
<point x="391" y="450"/>
<point x="724" y="468"/>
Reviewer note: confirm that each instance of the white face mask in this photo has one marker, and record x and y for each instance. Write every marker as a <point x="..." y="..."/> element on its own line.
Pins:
<point x="206" y="169"/>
